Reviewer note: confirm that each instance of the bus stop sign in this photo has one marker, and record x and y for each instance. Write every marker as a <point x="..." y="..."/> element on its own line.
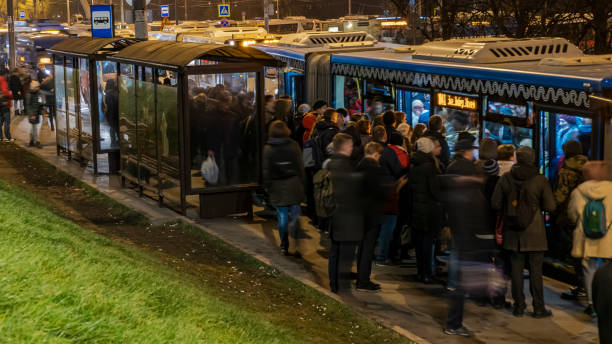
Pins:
<point x="224" y="10"/>
<point x="21" y="14"/>
<point x="165" y="11"/>
<point x="102" y="21"/>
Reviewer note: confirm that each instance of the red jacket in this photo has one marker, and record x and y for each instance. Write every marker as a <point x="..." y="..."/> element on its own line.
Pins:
<point x="402" y="156"/>
<point x="5" y="91"/>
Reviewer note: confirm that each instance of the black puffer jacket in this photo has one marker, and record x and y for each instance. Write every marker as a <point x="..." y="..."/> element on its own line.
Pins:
<point x="376" y="185"/>
<point x="287" y="191"/>
<point x="347" y="182"/>
<point x="426" y="209"/>
<point x="324" y="133"/>
<point x="445" y="154"/>
<point x="539" y="194"/>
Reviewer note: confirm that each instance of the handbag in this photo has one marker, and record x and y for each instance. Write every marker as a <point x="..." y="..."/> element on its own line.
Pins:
<point x="210" y="170"/>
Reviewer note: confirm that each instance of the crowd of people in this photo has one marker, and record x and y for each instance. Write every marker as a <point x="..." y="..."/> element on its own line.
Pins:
<point x="381" y="188"/>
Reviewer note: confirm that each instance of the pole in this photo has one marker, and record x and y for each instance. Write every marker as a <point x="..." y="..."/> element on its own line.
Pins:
<point x="185" y="11"/>
<point x="176" y="12"/>
<point x="11" y="32"/>
<point x="68" y="12"/>
<point x="266" y="16"/>
<point x="122" y="14"/>
<point x="349" y="8"/>
<point x="140" y="24"/>
<point x="277" y="10"/>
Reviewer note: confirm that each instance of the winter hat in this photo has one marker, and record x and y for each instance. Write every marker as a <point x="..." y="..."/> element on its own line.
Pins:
<point x="491" y="167"/>
<point x="304" y="108"/>
<point x="425" y="145"/>
<point x="525" y="155"/>
<point x="319" y="104"/>
<point x="488" y="149"/>
<point x="572" y="148"/>
<point x="465" y="144"/>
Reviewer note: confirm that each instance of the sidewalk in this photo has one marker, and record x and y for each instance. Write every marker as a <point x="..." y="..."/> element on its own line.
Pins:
<point x="413" y="309"/>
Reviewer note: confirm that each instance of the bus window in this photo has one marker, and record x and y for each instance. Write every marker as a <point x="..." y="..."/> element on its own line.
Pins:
<point x="376" y="91"/>
<point x="348" y="94"/>
<point x="507" y="133"/>
<point x="416" y="105"/>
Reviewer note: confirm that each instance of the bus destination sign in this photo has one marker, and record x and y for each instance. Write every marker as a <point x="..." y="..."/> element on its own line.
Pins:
<point x="456" y="101"/>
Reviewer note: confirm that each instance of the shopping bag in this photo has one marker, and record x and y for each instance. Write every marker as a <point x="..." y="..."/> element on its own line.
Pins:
<point x="210" y="170"/>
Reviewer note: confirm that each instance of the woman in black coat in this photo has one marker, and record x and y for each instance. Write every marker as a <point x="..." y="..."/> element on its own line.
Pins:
<point x="426" y="210"/>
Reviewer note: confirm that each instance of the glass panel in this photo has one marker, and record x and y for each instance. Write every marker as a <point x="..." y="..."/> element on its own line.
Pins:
<point x="567" y="127"/>
<point x="108" y="106"/>
<point x="377" y="93"/>
<point x="127" y="123"/>
<point x="168" y="134"/>
<point x="60" y="104"/>
<point x="86" y="135"/>
<point x="348" y="94"/>
<point x="72" y="129"/>
<point x="271" y="83"/>
<point x="512" y="110"/>
<point x="508" y="134"/>
<point x="416" y="105"/>
<point x="456" y="121"/>
<point x="147" y="136"/>
<point x="224" y="126"/>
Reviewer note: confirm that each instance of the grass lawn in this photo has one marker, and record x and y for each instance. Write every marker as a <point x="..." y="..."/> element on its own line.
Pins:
<point x="112" y="278"/>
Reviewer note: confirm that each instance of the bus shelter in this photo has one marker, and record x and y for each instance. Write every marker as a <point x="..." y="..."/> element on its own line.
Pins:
<point x="182" y="105"/>
<point x="86" y="95"/>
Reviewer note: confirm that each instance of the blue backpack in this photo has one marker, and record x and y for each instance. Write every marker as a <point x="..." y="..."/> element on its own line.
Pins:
<point x="594" y="222"/>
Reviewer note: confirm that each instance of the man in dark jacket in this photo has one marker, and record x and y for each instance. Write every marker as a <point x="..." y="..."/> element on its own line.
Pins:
<point x="472" y="240"/>
<point x="348" y="219"/>
<point x="324" y="132"/>
<point x="388" y="118"/>
<point x="374" y="186"/>
<point x="435" y="129"/>
<point x="602" y="301"/>
<point x="528" y="243"/>
<point x="426" y="210"/>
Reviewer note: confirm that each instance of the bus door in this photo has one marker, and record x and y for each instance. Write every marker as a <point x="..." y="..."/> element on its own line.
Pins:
<point x="556" y="127"/>
<point x="294" y="87"/>
<point x="416" y="104"/>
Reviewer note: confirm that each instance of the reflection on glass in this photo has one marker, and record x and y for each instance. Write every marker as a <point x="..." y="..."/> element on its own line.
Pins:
<point x="271" y="81"/>
<point x="224" y="126"/>
<point x="72" y="129"/>
<point x="506" y="133"/>
<point x="378" y="92"/>
<point x="128" y="123"/>
<point x="147" y="138"/>
<point x="60" y="104"/>
<point x="567" y="127"/>
<point x="85" y="137"/>
<point x="348" y="94"/>
<point x="108" y="105"/>
<point x="168" y="136"/>
<point x="512" y="110"/>
<point x="416" y="105"/>
<point x="457" y="121"/>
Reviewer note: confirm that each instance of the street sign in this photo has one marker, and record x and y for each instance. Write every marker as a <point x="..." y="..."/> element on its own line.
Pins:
<point x="224" y="10"/>
<point x="165" y="11"/>
<point x="224" y="22"/>
<point x="102" y="21"/>
<point x="21" y="14"/>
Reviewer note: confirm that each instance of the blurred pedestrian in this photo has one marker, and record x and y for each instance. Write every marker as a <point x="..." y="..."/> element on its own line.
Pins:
<point x="284" y="177"/>
<point x="16" y="88"/>
<point x="347" y="227"/>
<point x="319" y="107"/>
<point x="435" y="129"/>
<point x="426" y="210"/>
<point x="47" y="89"/>
<point x="602" y="302"/>
<point x="364" y="131"/>
<point x="388" y="118"/>
<point x="33" y="111"/>
<point x="376" y="190"/>
<point x="417" y="132"/>
<point x="593" y="251"/>
<point x="522" y="194"/>
<point x="5" y="106"/>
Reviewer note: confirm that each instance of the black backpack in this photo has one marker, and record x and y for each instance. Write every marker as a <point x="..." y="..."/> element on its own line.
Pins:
<point x="519" y="212"/>
<point x="283" y="162"/>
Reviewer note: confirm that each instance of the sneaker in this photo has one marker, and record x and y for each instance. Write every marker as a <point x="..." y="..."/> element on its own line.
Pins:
<point x="7" y="140"/>
<point x="368" y="287"/>
<point x="573" y="294"/>
<point x="544" y="313"/>
<point x="518" y="311"/>
<point x="38" y="145"/>
<point x="284" y="252"/>
<point x="460" y="331"/>
<point x="590" y="311"/>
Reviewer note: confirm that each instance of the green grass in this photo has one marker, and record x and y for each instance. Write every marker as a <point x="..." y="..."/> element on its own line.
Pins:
<point x="61" y="283"/>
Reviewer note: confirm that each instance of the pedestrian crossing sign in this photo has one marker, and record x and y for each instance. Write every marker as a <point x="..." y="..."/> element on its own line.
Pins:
<point x="224" y="10"/>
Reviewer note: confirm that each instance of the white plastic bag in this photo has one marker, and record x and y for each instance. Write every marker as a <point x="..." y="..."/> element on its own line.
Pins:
<point x="210" y="170"/>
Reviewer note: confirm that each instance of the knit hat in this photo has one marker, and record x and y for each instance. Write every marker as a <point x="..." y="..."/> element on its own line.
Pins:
<point x="525" y="155"/>
<point x="491" y="167"/>
<point x="425" y="145"/>
<point x="572" y="148"/>
<point x="488" y="149"/>
<point x="304" y="108"/>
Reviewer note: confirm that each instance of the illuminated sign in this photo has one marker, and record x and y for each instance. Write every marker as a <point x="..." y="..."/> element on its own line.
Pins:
<point x="395" y="23"/>
<point x="224" y="10"/>
<point x="102" y="21"/>
<point x="456" y="101"/>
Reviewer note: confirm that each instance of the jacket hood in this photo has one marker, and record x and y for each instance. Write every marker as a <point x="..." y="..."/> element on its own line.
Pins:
<point x="523" y="172"/>
<point x="575" y="163"/>
<point x="420" y="158"/>
<point x="596" y="189"/>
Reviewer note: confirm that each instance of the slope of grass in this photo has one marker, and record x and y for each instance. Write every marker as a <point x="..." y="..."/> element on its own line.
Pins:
<point x="60" y="283"/>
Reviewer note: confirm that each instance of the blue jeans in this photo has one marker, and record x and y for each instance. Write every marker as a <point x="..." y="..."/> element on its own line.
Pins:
<point x="387" y="225"/>
<point x="287" y="216"/>
<point x="5" y="120"/>
<point x="589" y="268"/>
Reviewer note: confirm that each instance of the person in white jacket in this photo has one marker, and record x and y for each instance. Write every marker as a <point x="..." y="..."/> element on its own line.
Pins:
<point x="594" y="252"/>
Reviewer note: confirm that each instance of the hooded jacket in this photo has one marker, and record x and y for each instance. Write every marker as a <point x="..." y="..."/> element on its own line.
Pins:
<point x="539" y="194"/>
<point x="348" y="192"/>
<point x="426" y="210"/>
<point x="584" y="247"/>
<point x="289" y="191"/>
